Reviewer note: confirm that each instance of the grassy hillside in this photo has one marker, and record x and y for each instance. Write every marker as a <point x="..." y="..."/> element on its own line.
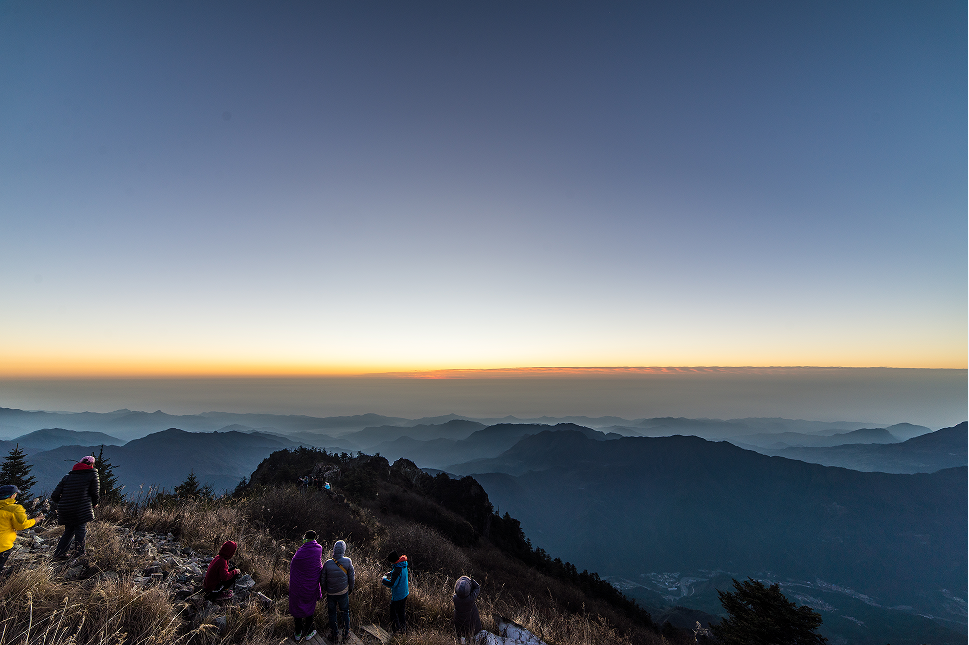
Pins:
<point x="446" y="527"/>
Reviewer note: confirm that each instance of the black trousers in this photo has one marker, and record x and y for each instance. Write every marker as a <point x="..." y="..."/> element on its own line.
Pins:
<point x="77" y="532"/>
<point x="304" y="625"/>
<point x="397" y="614"/>
<point x="4" y="556"/>
<point x="228" y="584"/>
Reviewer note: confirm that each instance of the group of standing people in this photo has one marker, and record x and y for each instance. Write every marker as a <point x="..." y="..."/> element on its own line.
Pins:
<point x="310" y="577"/>
<point x="74" y="498"/>
<point x="316" y="481"/>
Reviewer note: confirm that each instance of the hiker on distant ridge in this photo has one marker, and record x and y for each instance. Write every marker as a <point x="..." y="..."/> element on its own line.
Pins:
<point x="467" y="622"/>
<point x="219" y="580"/>
<point x="304" y="586"/>
<point x="337" y="582"/>
<point x="13" y="518"/>
<point x="396" y="579"/>
<point x="76" y="496"/>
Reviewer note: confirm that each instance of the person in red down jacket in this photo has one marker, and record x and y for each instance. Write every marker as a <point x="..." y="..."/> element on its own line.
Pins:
<point x="219" y="580"/>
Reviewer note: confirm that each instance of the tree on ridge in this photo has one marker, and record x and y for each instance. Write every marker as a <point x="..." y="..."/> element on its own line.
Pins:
<point x="15" y="470"/>
<point x="760" y="615"/>
<point x="111" y="491"/>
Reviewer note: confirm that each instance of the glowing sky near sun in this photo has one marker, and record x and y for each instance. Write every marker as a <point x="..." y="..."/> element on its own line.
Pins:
<point x="331" y="187"/>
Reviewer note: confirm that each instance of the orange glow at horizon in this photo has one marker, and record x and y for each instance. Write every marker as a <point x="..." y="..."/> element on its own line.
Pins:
<point x="99" y="369"/>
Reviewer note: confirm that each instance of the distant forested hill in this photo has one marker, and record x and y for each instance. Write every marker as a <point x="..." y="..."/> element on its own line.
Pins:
<point x="683" y="503"/>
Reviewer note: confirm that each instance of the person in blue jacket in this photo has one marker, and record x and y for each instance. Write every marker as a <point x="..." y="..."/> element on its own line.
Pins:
<point x="396" y="579"/>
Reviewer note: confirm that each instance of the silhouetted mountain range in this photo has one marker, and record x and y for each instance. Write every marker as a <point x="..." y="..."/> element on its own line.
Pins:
<point x="482" y="444"/>
<point x="946" y="448"/>
<point x="165" y="458"/>
<point x="780" y="440"/>
<point x="454" y="429"/>
<point x="50" y="438"/>
<point x="129" y="424"/>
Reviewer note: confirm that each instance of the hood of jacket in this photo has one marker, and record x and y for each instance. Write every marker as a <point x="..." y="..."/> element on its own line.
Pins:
<point x="228" y="550"/>
<point x="462" y="588"/>
<point x="339" y="549"/>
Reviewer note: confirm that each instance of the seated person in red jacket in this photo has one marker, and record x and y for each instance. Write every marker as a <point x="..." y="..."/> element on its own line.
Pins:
<point x="219" y="580"/>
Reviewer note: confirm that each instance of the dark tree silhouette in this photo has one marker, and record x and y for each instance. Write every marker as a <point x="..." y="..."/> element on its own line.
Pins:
<point x="110" y="488"/>
<point x="191" y="489"/>
<point x="760" y="615"/>
<point x="15" y="470"/>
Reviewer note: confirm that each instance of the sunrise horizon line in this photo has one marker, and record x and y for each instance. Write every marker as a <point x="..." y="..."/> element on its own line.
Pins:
<point x="444" y="372"/>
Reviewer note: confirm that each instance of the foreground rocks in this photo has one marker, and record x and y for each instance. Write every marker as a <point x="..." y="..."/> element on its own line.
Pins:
<point x="139" y="558"/>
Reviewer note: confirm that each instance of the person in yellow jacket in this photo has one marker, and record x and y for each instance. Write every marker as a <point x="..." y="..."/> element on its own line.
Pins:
<point x="13" y="518"/>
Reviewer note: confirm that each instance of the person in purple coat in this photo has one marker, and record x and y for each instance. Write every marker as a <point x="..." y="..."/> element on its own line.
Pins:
<point x="304" y="585"/>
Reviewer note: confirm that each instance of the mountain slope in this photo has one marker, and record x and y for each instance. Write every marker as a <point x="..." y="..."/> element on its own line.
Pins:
<point x="683" y="503"/>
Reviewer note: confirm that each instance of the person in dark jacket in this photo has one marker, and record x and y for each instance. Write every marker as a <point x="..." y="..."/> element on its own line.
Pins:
<point x="467" y="622"/>
<point x="219" y="580"/>
<point x="304" y="586"/>
<point x="396" y="579"/>
<point x="336" y="579"/>
<point x="76" y="496"/>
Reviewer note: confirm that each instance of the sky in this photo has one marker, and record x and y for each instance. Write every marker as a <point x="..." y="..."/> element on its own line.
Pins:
<point x="320" y="188"/>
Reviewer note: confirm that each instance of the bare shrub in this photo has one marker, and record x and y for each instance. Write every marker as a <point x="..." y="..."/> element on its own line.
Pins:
<point x="290" y="511"/>
<point x="105" y="550"/>
<point x="418" y="508"/>
<point x="426" y="549"/>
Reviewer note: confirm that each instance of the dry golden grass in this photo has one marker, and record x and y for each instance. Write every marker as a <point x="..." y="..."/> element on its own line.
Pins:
<point x="38" y="609"/>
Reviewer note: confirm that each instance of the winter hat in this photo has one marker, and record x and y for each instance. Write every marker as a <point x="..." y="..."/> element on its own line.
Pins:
<point x="88" y="460"/>
<point x="8" y="490"/>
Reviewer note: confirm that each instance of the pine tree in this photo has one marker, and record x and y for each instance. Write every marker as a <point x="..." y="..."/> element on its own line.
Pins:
<point x="111" y="490"/>
<point x="759" y="615"/>
<point x="15" y="470"/>
<point x="189" y="488"/>
<point x="241" y="488"/>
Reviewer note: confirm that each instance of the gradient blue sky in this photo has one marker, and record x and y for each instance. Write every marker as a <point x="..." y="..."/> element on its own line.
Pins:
<point x="226" y="187"/>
